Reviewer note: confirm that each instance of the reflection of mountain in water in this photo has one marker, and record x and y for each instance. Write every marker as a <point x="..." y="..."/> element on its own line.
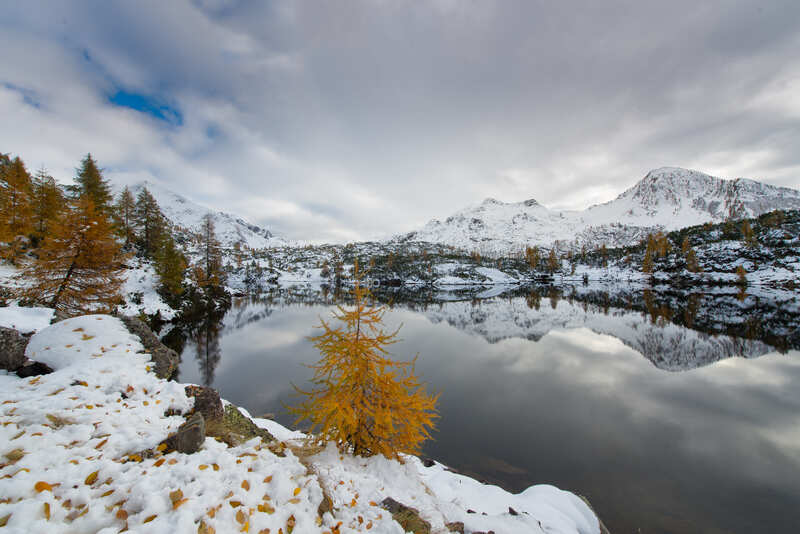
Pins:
<point x="676" y="330"/>
<point x="669" y="346"/>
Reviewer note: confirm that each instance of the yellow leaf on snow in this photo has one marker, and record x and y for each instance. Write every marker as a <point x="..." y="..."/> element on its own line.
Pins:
<point x="91" y="479"/>
<point x="47" y="511"/>
<point x="43" y="486"/>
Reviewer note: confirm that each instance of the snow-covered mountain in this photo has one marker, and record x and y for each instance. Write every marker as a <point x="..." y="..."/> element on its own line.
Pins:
<point x="186" y="214"/>
<point x="668" y="198"/>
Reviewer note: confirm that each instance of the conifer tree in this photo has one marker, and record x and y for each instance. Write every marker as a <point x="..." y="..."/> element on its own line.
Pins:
<point x="749" y="235"/>
<point x="647" y="263"/>
<point x="170" y="266"/>
<point x="553" y="263"/>
<point x="692" y="265"/>
<point x="210" y="264"/>
<point x="363" y="400"/>
<point x="89" y="182"/>
<point x="532" y="257"/>
<point x="78" y="269"/>
<point x="150" y="224"/>
<point x="48" y="204"/>
<point x="124" y="217"/>
<point x="16" y="194"/>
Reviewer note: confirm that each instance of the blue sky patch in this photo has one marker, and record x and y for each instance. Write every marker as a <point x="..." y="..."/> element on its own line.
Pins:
<point x="148" y="105"/>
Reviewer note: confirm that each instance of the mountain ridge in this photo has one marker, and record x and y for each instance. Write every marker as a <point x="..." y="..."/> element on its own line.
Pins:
<point x="667" y="198"/>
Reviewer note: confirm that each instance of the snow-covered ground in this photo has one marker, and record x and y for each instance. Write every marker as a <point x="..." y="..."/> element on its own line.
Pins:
<point x="70" y="444"/>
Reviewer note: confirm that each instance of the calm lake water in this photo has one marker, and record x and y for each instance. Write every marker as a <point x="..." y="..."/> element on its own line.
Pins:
<point x="663" y="428"/>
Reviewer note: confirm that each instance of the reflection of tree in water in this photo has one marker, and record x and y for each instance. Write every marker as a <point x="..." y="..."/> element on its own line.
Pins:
<point x="207" y="348"/>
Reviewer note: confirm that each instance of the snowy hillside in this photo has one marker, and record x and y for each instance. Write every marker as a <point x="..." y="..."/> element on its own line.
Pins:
<point x="186" y="214"/>
<point x="668" y="198"/>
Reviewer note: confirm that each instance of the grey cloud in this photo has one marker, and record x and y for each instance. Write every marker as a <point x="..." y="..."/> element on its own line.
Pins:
<point x="393" y="113"/>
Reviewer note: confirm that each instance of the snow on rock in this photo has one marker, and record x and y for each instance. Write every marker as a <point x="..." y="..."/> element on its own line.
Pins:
<point x="668" y="198"/>
<point x="71" y="444"/>
<point x="25" y="320"/>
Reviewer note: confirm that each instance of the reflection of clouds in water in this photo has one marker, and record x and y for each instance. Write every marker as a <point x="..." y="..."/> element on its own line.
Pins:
<point x="578" y="409"/>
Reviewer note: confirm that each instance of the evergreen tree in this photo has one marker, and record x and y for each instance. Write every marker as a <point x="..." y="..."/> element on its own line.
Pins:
<point x="78" y="269"/>
<point x="363" y="400"/>
<point x="48" y="204"/>
<point x="124" y="217"/>
<point x="16" y="195"/>
<point x="150" y="224"/>
<point x="170" y="266"/>
<point x="89" y="182"/>
<point x="211" y="272"/>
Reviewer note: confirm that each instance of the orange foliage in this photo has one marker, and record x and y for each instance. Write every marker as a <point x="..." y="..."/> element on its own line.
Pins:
<point x="362" y="399"/>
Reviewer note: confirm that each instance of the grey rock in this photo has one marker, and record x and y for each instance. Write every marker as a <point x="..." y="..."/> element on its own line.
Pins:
<point x="189" y="437"/>
<point x="12" y="349"/>
<point x="165" y="359"/>
<point x="206" y="401"/>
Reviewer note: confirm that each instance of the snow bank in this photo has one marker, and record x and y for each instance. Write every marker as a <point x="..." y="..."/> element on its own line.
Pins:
<point x="71" y="444"/>
<point x="25" y="319"/>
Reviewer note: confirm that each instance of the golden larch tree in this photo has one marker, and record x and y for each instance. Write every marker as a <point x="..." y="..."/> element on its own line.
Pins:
<point x="362" y="399"/>
<point x="16" y="199"/>
<point x="79" y="267"/>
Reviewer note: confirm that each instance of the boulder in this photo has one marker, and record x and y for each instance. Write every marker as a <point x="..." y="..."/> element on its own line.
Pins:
<point x="407" y="517"/>
<point x="31" y="368"/>
<point x="165" y="359"/>
<point x="189" y="437"/>
<point x="206" y="401"/>
<point x="12" y="349"/>
<point x="234" y="428"/>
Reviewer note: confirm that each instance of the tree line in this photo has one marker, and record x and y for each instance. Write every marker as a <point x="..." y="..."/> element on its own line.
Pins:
<point x="72" y="243"/>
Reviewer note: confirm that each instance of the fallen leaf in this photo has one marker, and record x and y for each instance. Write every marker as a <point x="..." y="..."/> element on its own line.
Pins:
<point x="47" y="511"/>
<point x="149" y="518"/>
<point x="245" y="485"/>
<point x="91" y="479"/>
<point x="43" y="486"/>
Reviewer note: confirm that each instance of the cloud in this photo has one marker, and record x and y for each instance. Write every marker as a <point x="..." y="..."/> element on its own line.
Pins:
<point x="369" y="118"/>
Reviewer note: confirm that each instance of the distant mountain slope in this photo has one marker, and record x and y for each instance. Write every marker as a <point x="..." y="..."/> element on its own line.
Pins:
<point x="186" y="214"/>
<point x="668" y="198"/>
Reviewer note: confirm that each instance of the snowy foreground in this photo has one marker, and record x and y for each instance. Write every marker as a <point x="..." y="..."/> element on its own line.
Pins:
<point x="69" y="444"/>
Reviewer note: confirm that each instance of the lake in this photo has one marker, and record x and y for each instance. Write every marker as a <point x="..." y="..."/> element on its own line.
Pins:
<point x="670" y="411"/>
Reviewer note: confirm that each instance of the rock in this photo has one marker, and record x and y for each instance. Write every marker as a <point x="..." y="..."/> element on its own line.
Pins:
<point x="12" y="349"/>
<point x="234" y="428"/>
<point x="407" y="517"/>
<point x="428" y="462"/>
<point x="189" y="437"/>
<point x="32" y="368"/>
<point x="206" y="401"/>
<point x="165" y="359"/>
<point x="455" y="526"/>
<point x="325" y="506"/>
<point x="512" y="511"/>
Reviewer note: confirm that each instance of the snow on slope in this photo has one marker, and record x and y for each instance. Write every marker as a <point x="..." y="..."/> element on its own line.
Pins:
<point x="668" y="198"/>
<point x="229" y="228"/>
<point x="72" y="442"/>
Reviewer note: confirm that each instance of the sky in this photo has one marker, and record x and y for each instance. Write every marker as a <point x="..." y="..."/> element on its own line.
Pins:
<point x="348" y="120"/>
